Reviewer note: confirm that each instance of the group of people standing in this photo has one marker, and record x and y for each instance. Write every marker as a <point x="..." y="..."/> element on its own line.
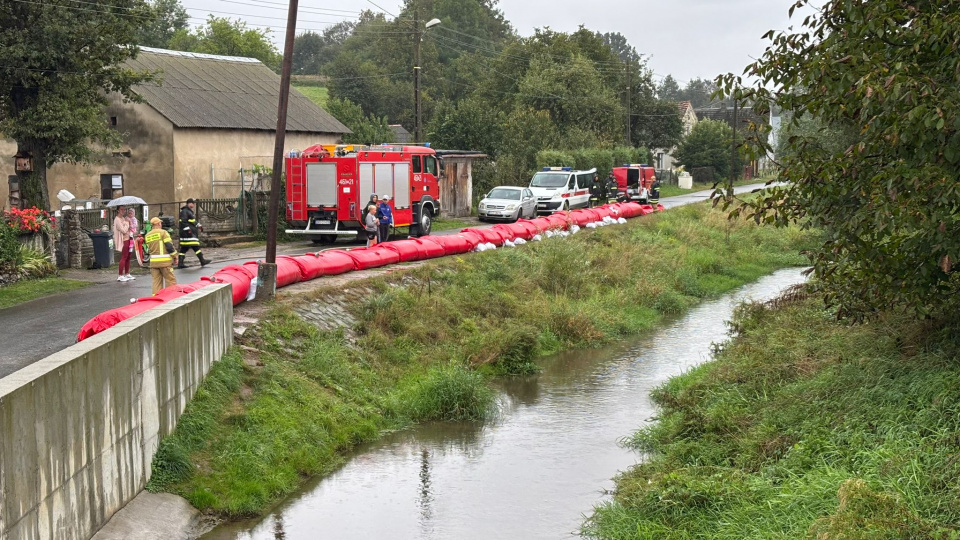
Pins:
<point x="603" y="192"/>
<point x="158" y="243"/>
<point x="378" y="220"/>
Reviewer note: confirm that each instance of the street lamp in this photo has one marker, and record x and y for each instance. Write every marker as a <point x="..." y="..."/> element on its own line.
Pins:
<point x="418" y="129"/>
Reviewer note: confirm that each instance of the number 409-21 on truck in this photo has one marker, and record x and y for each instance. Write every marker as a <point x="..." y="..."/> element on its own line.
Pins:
<point x="328" y="187"/>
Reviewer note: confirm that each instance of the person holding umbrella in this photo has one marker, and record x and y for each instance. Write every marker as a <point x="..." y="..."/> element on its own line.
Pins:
<point x="121" y="242"/>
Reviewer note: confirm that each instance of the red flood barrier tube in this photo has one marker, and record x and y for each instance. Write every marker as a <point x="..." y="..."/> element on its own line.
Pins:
<point x="408" y="250"/>
<point x="487" y="236"/>
<point x="429" y="248"/>
<point x="505" y="231"/>
<point x="239" y="279"/>
<point x="631" y="210"/>
<point x="472" y="237"/>
<point x="530" y="226"/>
<point x="602" y="212"/>
<point x="583" y="216"/>
<point x="660" y="208"/>
<point x="517" y="230"/>
<point x="288" y="271"/>
<point x="373" y="257"/>
<point x="453" y="244"/>
<point x="108" y="319"/>
<point x="557" y="221"/>
<point x="334" y="262"/>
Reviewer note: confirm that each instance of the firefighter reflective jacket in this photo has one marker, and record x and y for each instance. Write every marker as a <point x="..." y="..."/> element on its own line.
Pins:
<point x="161" y="249"/>
<point x="189" y="231"/>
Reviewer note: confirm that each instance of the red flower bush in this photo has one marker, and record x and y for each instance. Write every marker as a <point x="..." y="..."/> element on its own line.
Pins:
<point x="29" y="220"/>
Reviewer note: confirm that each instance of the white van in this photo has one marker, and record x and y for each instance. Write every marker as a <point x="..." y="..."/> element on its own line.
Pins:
<point x="561" y="188"/>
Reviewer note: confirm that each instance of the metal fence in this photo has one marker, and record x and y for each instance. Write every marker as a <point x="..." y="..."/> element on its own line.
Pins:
<point x="218" y="216"/>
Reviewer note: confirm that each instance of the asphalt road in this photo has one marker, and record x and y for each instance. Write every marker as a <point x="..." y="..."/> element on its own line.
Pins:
<point x="37" y="329"/>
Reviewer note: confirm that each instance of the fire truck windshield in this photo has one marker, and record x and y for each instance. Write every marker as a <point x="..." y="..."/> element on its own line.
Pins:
<point x="549" y="179"/>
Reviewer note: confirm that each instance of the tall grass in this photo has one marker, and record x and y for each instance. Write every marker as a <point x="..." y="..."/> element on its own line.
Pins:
<point x="426" y="339"/>
<point x="802" y="428"/>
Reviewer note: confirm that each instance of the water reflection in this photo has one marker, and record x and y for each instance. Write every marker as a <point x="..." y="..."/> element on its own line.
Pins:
<point x="531" y="474"/>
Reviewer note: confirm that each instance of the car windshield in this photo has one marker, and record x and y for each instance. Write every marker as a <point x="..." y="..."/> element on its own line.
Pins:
<point x="545" y="179"/>
<point x="501" y="193"/>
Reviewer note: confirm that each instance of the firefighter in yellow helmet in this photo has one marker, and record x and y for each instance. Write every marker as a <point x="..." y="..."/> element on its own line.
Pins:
<point x="162" y="253"/>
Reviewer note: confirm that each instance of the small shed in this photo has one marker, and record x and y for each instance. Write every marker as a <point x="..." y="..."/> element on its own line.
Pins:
<point x="456" y="182"/>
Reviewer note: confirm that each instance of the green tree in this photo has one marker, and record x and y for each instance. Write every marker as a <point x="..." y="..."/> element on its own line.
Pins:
<point x="367" y="129"/>
<point x="169" y="16"/>
<point x="885" y="71"/>
<point x="699" y="92"/>
<point x="708" y="145"/>
<point x="468" y="125"/>
<point x="655" y="123"/>
<point x="222" y="36"/>
<point x="55" y="75"/>
<point x="669" y="90"/>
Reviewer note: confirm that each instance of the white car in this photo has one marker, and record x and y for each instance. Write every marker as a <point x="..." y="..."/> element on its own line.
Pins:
<point x="507" y="203"/>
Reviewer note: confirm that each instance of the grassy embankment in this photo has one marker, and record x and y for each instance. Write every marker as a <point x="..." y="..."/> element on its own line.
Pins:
<point x="803" y="428"/>
<point x="31" y="289"/>
<point x="316" y="94"/>
<point x="427" y="338"/>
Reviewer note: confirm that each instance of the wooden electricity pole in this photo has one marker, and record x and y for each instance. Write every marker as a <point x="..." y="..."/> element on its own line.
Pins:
<point x="267" y="273"/>
<point x="418" y="129"/>
<point x="627" y="132"/>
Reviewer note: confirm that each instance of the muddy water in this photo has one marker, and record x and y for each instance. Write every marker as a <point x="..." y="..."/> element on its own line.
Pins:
<point x="533" y="474"/>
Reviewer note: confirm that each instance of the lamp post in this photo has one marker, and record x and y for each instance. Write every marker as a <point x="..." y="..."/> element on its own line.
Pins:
<point x="418" y="129"/>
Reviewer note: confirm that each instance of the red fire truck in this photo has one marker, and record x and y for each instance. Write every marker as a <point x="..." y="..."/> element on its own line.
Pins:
<point x="328" y="187"/>
<point x="634" y="181"/>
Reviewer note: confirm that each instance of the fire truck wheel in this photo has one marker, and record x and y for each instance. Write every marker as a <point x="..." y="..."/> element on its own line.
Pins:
<point x="426" y="225"/>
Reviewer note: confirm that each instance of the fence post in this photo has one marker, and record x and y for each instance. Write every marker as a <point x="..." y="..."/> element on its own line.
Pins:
<point x="255" y="211"/>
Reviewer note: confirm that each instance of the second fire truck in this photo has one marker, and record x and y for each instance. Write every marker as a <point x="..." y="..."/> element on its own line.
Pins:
<point x="328" y="187"/>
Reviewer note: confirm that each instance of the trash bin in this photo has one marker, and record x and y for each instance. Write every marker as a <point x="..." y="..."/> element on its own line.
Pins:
<point x="102" y="254"/>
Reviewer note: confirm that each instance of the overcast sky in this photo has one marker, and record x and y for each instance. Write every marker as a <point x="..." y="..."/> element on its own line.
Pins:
<point x="684" y="38"/>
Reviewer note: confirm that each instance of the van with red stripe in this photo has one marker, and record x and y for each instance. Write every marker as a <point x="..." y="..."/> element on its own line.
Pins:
<point x="561" y="188"/>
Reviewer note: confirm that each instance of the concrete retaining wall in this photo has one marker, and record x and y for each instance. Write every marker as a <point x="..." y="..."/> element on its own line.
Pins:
<point x="78" y="429"/>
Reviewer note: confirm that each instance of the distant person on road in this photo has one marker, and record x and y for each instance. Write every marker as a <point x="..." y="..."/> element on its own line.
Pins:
<point x="162" y="252"/>
<point x="371" y="224"/>
<point x="385" y="215"/>
<point x="597" y="192"/>
<point x="190" y="234"/>
<point x="612" y="189"/>
<point x="121" y="242"/>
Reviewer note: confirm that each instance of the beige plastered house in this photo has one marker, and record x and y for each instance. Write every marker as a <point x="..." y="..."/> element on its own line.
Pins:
<point x="199" y="124"/>
<point x="663" y="157"/>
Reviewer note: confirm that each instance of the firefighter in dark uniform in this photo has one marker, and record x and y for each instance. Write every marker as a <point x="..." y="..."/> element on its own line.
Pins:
<point x="190" y="234"/>
<point x="597" y="192"/>
<point x="612" y="189"/>
<point x="654" y="192"/>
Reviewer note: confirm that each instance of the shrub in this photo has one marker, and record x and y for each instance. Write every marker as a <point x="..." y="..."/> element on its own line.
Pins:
<point x="449" y="393"/>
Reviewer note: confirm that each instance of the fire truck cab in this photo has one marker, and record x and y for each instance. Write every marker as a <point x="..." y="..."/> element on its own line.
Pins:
<point x="329" y="186"/>
<point x="634" y="181"/>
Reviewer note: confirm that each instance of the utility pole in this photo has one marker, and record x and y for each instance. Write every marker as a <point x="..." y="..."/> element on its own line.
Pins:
<point x="267" y="272"/>
<point x="418" y="128"/>
<point x="627" y="132"/>
<point x="733" y="151"/>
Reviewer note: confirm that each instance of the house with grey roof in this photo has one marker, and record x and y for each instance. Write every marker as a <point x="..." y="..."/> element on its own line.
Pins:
<point x="202" y="120"/>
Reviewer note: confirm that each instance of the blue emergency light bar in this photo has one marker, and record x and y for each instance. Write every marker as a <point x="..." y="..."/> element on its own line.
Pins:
<point x="635" y="165"/>
<point x="558" y="168"/>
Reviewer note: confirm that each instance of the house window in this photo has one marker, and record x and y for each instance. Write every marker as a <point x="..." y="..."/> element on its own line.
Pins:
<point x="660" y="160"/>
<point x="113" y="121"/>
<point x="111" y="186"/>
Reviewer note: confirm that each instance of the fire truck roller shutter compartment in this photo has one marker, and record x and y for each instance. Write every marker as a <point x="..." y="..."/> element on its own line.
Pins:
<point x="366" y="184"/>
<point x="383" y="179"/>
<point x="401" y="185"/>
<point x="321" y="184"/>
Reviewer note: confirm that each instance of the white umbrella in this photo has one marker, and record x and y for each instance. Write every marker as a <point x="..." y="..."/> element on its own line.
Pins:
<point x="126" y="200"/>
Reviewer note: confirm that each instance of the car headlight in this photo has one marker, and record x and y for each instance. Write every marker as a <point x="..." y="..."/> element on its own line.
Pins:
<point x="557" y="195"/>
<point x="511" y="207"/>
<point x="483" y="206"/>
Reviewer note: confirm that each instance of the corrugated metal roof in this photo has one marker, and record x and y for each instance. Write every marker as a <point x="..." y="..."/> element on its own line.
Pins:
<point x="225" y="92"/>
